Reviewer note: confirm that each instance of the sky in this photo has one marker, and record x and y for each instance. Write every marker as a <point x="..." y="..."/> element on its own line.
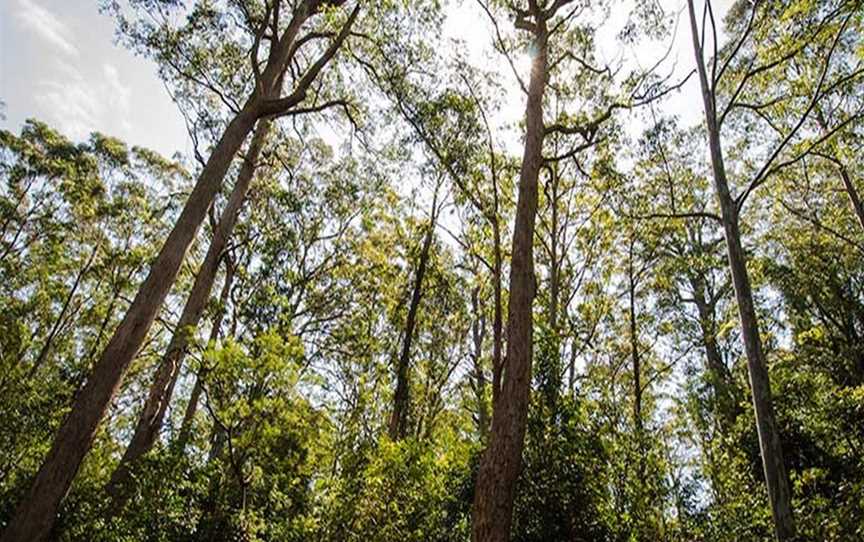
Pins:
<point x="59" y="64"/>
<point x="685" y="104"/>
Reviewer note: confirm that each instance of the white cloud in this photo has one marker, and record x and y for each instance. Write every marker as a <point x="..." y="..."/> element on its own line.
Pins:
<point x="118" y="96"/>
<point x="47" y="26"/>
<point x="78" y="104"/>
<point x="69" y="101"/>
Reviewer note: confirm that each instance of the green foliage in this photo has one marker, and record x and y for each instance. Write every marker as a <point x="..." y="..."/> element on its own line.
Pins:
<point x="639" y="425"/>
<point x="403" y="490"/>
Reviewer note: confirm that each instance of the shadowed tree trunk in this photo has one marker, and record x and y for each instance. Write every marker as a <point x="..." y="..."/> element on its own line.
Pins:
<point x="719" y="377"/>
<point x="192" y="406"/>
<point x="478" y="334"/>
<point x="159" y="397"/>
<point x="195" y="396"/>
<point x="501" y="462"/>
<point x="774" y="469"/>
<point x="398" y="426"/>
<point x="636" y="360"/>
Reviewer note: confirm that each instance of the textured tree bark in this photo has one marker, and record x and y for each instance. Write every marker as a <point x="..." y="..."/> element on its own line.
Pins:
<point x="773" y="466"/>
<point x="501" y="462"/>
<point x="159" y="397"/>
<point x="398" y="426"/>
<point x="36" y="512"/>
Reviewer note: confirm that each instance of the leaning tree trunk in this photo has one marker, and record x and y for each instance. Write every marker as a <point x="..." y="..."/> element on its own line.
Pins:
<point x="185" y="433"/>
<point x="776" y="477"/>
<point x="398" y="426"/>
<point x="501" y="463"/>
<point x="156" y="405"/>
<point x="36" y="512"/>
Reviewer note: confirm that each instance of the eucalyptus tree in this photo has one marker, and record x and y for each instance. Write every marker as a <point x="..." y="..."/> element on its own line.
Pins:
<point x="691" y="285"/>
<point x="161" y="388"/>
<point x="558" y="38"/>
<point x="263" y="97"/>
<point x="446" y="105"/>
<point x="398" y="425"/>
<point x="186" y="426"/>
<point x="758" y="48"/>
<point x="79" y="222"/>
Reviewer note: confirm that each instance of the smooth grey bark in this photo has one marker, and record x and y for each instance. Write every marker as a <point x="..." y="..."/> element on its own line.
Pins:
<point x="774" y="469"/>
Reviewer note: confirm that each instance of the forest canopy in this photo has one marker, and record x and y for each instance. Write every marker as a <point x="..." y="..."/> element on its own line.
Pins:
<point x="536" y="270"/>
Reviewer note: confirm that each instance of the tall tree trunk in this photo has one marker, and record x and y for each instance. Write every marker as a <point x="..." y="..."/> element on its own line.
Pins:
<point x="36" y="512"/>
<point x="719" y="377"/>
<point x="198" y="388"/>
<point x="555" y="261"/>
<point x="156" y="405"/>
<point x="501" y="462"/>
<point x="398" y="426"/>
<point x="497" y="314"/>
<point x="478" y="333"/>
<point x="774" y="469"/>
<point x="637" y="368"/>
<point x="159" y="397"/>
<point x="553" y="390"/>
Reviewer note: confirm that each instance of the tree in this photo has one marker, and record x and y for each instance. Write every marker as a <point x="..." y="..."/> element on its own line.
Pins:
<point x="730" y="206"/>
<point x="36" y="512"/>
<point x="399" y="419"/>
<point x="159" y="396"/>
